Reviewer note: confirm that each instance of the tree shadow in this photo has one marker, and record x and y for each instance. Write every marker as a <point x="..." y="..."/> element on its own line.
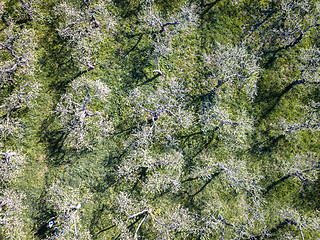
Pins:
<point x="275" y="229"/>
<point x="137" y="63"/>
<point x="97" y="220"/>
<point x="57" y="69"/>
<point x="189" y="199"/>
<point x="127" y="8"/>
<point x="45" y="214"/>
<point x="275" y="98"/>
<point x="201" y="142"/>
<point x="54" y="140"/>
<point x="267" y="145"/>
<point x="148" y="80"/>
<point x="276" y="183"/>
<point x="310" y="195"/>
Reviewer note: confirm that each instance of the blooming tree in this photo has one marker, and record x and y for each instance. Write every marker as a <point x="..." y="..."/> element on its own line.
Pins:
<point x="185" y="19"/>
<point x="20" y="98"/>
<point x="17" y="54"/>
<point x="166" y="224"/>
<point x="163" y="171"/>
<point x="164" y="111"/>
<point x="67" y="203"/>
<point x="10" y="166"/>
<point x="11" y="214"/>
<point x="85" y="25"/>
<point x="80" y="122"/>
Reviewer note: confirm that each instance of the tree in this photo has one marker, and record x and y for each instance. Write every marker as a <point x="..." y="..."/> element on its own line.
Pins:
<point x="67" y="203"/>
<point x="11" y="165"/>
<point x="309" y="66"/>
<point x="11" y="200"/>
<point x="233" y="172"/>
<point x="19" y="89"/>
<point x="11" y="214"/>
<point x="301" y="166"/>
<point x="85" y="25"/>
<point x="162" y="171"/>
<point x="80" y="123"/>
<point x="17" y="54"/>
<point x="21" y="98"/>
<point x="185" y="19"/>
<point x="228" y="175"/>
<point x="217" y="223"/>
<point x="234" y="75"/>
<point x="295" y="12"/>
<point x="166" y="224"/>
<point x="163" y="109"/>
<point x="300" y="221"/>
<point x="309" y="121"/>
<point x="28" y="6"/>
<point x="233" y="70"/>
<point x="286" y="24"/>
